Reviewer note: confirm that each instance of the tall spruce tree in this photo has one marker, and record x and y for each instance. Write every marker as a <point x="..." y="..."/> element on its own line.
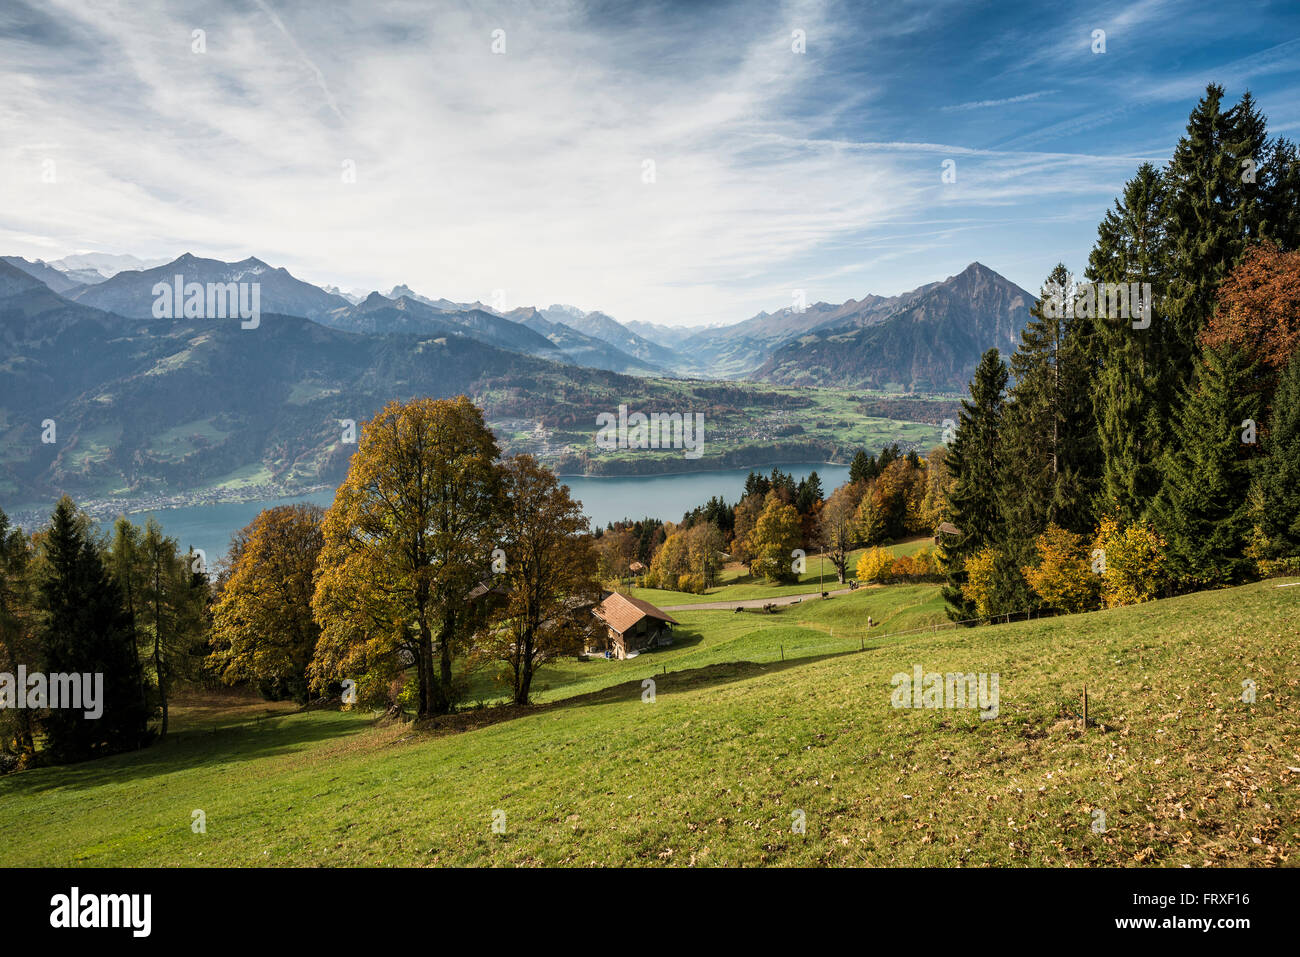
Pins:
<point x="87" y="630"/>
<point x="1276" y="493"/>
<point x="1050" y="462"/>
<point x="974" y="470"/>
<point x="1202" y="508"/>
<point x="1214" y="212"/>
<point x="1134" y="384"/>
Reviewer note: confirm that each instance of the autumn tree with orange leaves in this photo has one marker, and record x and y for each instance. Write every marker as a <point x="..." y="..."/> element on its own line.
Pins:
<point x="1259" y="310"/>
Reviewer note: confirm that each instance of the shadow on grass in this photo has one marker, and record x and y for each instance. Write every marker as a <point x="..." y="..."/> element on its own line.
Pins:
<point x="280" y="734"/>
<point x="185" y="750"/>
<point x="687" y="679"/>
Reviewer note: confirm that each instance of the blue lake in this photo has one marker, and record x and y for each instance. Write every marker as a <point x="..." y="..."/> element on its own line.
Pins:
<point x="665" y="497"/>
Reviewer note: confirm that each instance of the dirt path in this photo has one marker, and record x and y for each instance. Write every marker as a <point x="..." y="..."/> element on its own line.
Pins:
<point x="749" y="602"/>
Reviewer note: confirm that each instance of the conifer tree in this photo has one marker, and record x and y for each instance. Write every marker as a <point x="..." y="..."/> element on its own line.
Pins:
<point x="1049" y="448"/>
<point x="974" y="470"/>
<point x="860" y="469"/>
<point x="87" y="630"/>
<point x="1202" y="508"/>
<point x="1133" y="388"/>
<point x="1276" y="499"/>
<point x="1214" y="212"/>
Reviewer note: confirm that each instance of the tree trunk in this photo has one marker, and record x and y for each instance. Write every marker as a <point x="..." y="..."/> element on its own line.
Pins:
<point x="444" y="698"/>
<point x="157" y="648"/>
<point x="430" y="699"/>
<point x="526" y="673"/>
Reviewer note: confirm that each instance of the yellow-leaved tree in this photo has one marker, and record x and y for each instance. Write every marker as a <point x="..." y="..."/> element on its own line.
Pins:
<point x="978" y="587"/>
<point x="776" y="535"/>
<point x="1131" y="562"/>
<point x="263" y="629"/>
<point x="409" y="536"/>
<point x="875" y="564"/>
<point x="1063" y="577"/>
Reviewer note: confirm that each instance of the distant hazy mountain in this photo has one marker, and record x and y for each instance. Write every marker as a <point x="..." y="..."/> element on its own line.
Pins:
<point x="131" y="293"/>
<point x="579" y="347"/>
<point x="14" y="279"/>
<point x="609" y="330"/>
<point x="929" y="339"/>
<point x="445" y="305"/>
<point x="104" y="264"/>
<point x="670" y="337"/>
<point x="56" y="279"/>
<point x="740" y="348"/>
<point x="351" y="296"/>
<point x="379" y="315"/>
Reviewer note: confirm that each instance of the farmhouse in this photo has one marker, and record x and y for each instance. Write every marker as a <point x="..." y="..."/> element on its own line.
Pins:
<point x="945" y="528"/>
<point x="631" y="625"/>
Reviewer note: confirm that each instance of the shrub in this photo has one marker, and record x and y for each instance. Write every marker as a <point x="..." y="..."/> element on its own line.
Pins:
<point x="1063" y="577"/>
<point x="692" y="582"/>
<point x="904" y="566"/>
<point x="1133" y="559"/>
<point x="874" y="565"/>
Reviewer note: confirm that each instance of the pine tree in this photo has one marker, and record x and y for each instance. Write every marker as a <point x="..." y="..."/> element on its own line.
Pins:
<point x="1276" y="498"/>
<point x="1279" y="193"/>
<point x="974" y="470"/>
<point x="87" y="629"/>
<point x="1202" y="509"/>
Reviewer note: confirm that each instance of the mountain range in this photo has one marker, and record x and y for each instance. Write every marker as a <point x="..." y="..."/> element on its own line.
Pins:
<point x="927" y="339"/>
<point x="142" y="404"/>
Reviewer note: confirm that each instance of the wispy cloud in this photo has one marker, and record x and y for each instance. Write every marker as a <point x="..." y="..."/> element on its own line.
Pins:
<point x="669" y="162"/>
<point x="986" y="104"/>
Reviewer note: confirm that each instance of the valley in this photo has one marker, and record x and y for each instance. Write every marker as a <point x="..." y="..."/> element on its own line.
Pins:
<point x="164" y="413"/>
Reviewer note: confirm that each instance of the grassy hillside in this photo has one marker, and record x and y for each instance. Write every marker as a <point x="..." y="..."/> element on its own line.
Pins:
<point x="712" y="771"/>
<point x="714" y="637"/>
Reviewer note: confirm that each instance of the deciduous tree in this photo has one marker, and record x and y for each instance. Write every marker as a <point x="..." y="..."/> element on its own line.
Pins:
<point x="409" y="535"/>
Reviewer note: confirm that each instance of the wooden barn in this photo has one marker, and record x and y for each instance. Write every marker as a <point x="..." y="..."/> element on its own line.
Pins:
<point x="631" y="625"/>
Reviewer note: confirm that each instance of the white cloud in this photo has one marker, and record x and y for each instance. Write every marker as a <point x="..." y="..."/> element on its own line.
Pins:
<point x="478" y="172"/>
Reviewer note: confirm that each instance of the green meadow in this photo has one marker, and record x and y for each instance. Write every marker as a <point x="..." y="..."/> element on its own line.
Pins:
<point x="738" y="746"/>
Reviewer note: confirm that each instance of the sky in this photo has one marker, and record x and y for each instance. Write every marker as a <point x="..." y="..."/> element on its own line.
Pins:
<point x="678" y="163"/>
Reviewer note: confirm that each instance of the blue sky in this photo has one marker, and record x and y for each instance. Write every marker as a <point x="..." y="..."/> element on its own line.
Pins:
<point x="524" y="172"/>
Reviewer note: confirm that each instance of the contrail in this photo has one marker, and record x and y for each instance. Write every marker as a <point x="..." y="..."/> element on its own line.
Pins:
<point x="320" y="77"/>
